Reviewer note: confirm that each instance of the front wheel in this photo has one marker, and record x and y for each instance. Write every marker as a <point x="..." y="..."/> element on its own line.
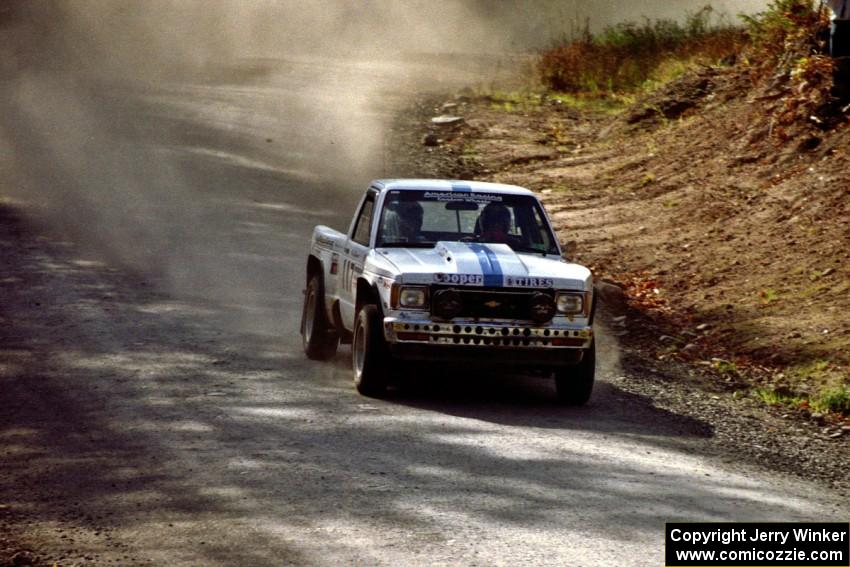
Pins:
<point x="317" y="335"/>
<point x="575" y="383"/>
<point x="369" y="353"/>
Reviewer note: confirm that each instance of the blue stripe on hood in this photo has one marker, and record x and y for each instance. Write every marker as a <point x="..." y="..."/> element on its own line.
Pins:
<point x="489" y="262"/>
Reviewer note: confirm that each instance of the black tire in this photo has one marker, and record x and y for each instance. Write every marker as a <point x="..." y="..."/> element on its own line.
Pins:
<point x="370" y="358"/>
<point x="317" y="334"/>
<point x="575" y="383"/>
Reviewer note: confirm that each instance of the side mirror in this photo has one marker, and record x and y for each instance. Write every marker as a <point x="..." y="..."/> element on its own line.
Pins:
<point x="568" y="249"/>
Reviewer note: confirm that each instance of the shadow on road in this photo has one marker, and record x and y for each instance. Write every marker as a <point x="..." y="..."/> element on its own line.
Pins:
<point x="530" y="401"/>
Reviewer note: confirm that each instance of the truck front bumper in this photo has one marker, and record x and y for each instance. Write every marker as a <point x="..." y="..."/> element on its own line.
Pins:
<point x="551" y="345"/>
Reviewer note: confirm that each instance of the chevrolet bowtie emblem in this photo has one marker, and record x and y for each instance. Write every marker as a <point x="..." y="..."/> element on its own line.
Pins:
<point x="492" y="304"/>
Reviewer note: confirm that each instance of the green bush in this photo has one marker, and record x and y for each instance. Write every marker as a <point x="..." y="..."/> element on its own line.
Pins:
<point x="836" y="400"/>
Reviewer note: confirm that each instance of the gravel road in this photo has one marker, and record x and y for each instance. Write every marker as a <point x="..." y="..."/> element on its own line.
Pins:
<point x="157" y="409"/>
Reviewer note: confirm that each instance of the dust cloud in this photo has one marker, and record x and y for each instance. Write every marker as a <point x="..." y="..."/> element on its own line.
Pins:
<point x="197" y="141"/>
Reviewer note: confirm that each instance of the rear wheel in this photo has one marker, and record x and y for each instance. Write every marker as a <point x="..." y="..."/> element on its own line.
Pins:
<point x="575" y="383"/>
<point x="370" y="358"/>
<point x="317" y="335"/>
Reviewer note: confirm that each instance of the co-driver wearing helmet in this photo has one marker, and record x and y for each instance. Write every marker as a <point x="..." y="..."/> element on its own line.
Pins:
<point x="410" y="215"/>
<point x="495" y="223"/>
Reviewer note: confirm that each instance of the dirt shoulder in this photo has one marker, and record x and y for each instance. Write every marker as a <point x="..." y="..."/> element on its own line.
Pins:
<point x="727" y="241"/>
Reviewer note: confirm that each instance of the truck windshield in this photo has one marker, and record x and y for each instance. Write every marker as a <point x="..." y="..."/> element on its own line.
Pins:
<point x="423" y="218"/>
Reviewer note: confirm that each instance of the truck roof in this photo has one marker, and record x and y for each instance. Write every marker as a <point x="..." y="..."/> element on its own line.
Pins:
<point x="448" y="185"/>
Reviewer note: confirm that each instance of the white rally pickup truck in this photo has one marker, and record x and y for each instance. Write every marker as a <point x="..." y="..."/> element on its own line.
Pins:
<point x="453" y="273"/>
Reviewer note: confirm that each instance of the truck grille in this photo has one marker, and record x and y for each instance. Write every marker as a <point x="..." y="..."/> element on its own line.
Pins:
<point x="489" y="303"/>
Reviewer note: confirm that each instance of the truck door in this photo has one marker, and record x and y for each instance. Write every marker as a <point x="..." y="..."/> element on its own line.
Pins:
<point x="354" y="256"/>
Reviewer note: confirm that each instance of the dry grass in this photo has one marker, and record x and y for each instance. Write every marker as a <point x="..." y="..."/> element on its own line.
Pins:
<point x="625" y="57"/>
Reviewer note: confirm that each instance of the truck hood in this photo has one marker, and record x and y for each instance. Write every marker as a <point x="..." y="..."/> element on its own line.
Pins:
<point x="485" y="265"/>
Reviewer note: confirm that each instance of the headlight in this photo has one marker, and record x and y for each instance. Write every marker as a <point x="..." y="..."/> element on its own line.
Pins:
<point x="570" y="303"/>
<point x="413" y="297"/>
